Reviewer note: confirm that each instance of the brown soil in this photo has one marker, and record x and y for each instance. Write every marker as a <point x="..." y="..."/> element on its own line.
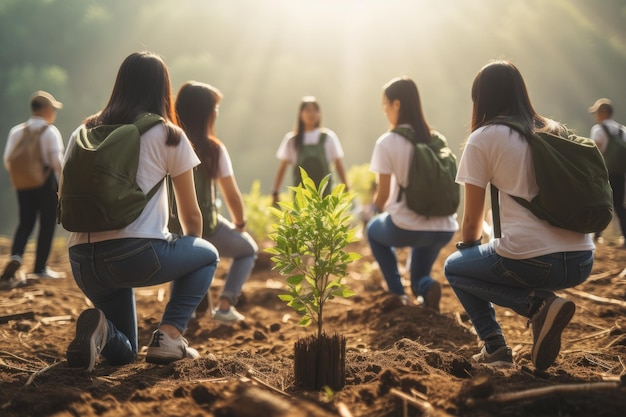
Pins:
<point x="401" y="360"/>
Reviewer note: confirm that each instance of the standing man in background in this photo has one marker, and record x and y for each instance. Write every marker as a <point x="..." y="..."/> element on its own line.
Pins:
<point x="35" y="201"/>
<point x="605" y="130"/>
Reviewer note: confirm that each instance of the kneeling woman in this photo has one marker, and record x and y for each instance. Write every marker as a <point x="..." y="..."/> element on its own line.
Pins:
<point x="522" y="269"/>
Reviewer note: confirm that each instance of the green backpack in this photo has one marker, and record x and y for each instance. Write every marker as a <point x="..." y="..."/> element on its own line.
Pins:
<point x="615" y="153"/>
<point x="574" y="191"/>
<point x="205" y="192"/>
<point x="100" y="190"/>
<point x="313" y="159"/>
<point x="432" y="189"/>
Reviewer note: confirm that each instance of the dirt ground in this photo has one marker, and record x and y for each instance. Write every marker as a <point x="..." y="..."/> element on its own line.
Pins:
<point x="400" y="361"/>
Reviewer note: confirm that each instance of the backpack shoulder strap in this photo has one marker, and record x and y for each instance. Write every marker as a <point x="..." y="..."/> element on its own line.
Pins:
<point x="495" y="192"/>
<point x="146" y="120"/>
<point x="406" y="132"/>
<point x="37" y="134"/>
<point x="495" y="211"/>
<point x="43" y="129"/>
<point x="154" y="189"/>
<point x="620" y="131"/>
<point x="513" y="125"/>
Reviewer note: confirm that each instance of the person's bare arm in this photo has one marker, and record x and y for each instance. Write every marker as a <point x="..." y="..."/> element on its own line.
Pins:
<point x="234" y="200"/>
<point x="473" y="213"/>
<point x="382" y="191"/>
<point x="189" y="212"/>
<point x="278" y="180"/>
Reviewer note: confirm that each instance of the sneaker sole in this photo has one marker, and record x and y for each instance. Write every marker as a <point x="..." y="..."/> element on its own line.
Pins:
<point x="229" y="322"/>
<point x="157" y="360"/>
<point x="548" y="343"/>
<point x="84" y="349"/>
<point x="166" y="360"/>
<point x="45" y="276"/>
<point x="226" y="321"/>
<point x="498" y="364"/>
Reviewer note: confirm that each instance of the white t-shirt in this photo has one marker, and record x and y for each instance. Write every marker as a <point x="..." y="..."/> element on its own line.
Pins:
<point x="392" y="155"/>
<point x="156" y="160"/>
<point x="502" y="156"/>
<point x="50" y="142"/>
<point x="287" y="149"/>
<point x="224" y="164"/>
<point x="599" y="135"/>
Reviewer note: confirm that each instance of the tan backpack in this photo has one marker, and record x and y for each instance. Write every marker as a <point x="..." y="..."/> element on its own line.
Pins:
<point x="26" y="166"/>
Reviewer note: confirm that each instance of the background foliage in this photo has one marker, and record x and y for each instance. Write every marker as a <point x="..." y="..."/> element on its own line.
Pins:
<point x="265" y="55"/>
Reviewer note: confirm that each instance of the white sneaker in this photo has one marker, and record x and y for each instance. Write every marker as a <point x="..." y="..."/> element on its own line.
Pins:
<point x="229" y="316"/>
<point x="163" y="349"/>
<point x="404" y="299"/>
<point x="48" y="274"/>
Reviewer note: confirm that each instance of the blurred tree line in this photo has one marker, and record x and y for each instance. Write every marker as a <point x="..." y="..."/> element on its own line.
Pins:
<point x="266" y="55"/>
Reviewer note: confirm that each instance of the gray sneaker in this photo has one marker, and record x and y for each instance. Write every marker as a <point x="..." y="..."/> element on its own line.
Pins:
<point x="91" y="336"/>
<point x="163" y="349"/>
<point x="503" y="356"/>
<point x="228" y="317"/>
<point x="547" y="325"/>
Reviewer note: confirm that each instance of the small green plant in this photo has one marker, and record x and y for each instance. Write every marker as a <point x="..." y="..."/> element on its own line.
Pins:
<point x="310" y="236"/>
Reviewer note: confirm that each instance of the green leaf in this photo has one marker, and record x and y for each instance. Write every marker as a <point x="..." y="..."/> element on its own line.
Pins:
<point x="271" y="250"/>
<point x="306" y="321"/>
<point x="295" y="279"/>
<point x="311" y="233"/>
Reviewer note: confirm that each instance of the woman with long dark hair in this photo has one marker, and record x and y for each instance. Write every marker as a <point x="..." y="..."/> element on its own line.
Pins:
<point x="521" y="269"/>
<point x="197" y="108"/>
<point x="311" y="146"/>
<point x="398" y="225"/>
<point x="108" y="265"/>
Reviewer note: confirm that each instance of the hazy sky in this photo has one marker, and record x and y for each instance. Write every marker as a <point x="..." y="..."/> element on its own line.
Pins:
<point x="264" y="55"/>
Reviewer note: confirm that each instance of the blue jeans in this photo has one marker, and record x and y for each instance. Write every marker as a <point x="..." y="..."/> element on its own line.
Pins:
<point x="107" y="272"/>
<point x="242" y="249"/>
<point x="384" y="237"/>
<point x="480" y="277"/>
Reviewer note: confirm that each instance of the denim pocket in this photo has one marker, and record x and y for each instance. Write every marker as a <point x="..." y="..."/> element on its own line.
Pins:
<point x="528" y="273"/>
<point x="78" y="277"/>
<point x="584" y="269"/>
<point x="133" y="268"/>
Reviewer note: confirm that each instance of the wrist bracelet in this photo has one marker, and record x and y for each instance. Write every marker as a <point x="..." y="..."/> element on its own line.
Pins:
<point x="241" y="225"/>
<point x="274" y="193"/>
<point x="463" y="245"/>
